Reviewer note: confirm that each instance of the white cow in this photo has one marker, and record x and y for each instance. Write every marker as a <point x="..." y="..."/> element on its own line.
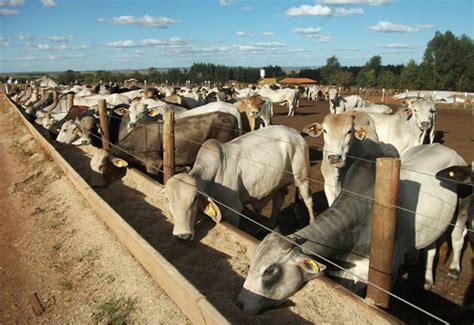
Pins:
<point x="247" y="170"/>
<point x="245" y="92"/>
<point x="279" y="96"/>
<point x="342" y="233"/>
<point x="346" y="135"/>
<point x="339" y="104"/>
<point x="213" y="107"/>
<point x="405" y="128"/>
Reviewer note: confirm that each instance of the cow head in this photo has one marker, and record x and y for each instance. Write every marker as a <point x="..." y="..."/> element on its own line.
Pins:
<point x="422" y="111"/>
<point x="277" y="270"/>
<point x="110" y="167"/>
<point x="136" y="111"/>
<point x="69" y="132"/>
<point x="184" y="203"/>
<point x="338" y="131"/>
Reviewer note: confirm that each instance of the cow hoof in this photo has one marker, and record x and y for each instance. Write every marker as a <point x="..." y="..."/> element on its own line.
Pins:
<point x="428" y="286"/>
<point x="454" y="274"/>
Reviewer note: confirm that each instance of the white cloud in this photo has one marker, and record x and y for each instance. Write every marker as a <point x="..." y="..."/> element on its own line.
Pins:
<point x="48" y="3"/>
<point x="260" y="46"/>
<point x="226" y="2"/>
<point x="81" y="47"/>
<point x="398" y="46"/>
<point x="46" y="47"/>
<point x="321" y="38"/>
<point x="247" y="8"/>
<point x="389" y="27"/>
<point x="307" y="31"/>
<point x="242" y="33"/>
<point x="308" y="10"/>
<point x="4" y="42"/>
<point x="150" y="42"/>
<point x="9" y="12"/>
<point x="313" y="33"/>
<point x="148" y="21"/>
<point x="57" y="39"/>
<point x="11" y="3"/>
<point x="356" y="2"/>
<point x="318" y="10"/>
<point x="348" y="12"/>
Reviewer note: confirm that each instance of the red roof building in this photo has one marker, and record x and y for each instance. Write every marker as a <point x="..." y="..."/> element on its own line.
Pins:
<point x="297" y="81"/>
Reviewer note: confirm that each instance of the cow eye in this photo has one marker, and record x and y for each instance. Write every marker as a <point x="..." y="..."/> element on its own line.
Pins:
<point x="324" y="130"/>
<point x="349" y="132"/>
<point x="271" y="271"/>
<point x="432" y="111"/>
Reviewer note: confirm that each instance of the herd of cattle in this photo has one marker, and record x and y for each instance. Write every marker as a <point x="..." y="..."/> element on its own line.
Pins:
<point x="230" y="156"/>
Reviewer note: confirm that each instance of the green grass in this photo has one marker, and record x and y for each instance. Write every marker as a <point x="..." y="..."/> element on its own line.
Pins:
<point x="116" y="311"/>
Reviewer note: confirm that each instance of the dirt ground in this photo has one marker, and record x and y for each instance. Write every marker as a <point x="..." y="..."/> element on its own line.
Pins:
<point x="216" y="262"/>
<point x="53" y="244"/>
<point x="455" y="129"/>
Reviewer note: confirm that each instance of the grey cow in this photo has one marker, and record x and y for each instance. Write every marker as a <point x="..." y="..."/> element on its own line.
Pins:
<point x="251" y="169"/>
<point x="342" y="232"/>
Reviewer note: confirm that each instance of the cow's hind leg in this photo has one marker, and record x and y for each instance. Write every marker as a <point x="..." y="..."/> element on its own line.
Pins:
<point x="305" y="192"/>
<point x="430" y="256"/>
<point x="458" y="235"/>
<point x="277" y="203"/>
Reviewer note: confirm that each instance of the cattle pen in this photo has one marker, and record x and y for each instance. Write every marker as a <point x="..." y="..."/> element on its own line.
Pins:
<point x="198" y="306"/>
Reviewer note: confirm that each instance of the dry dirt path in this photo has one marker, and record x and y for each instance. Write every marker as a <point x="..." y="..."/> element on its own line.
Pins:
<point x="53" y="244"/>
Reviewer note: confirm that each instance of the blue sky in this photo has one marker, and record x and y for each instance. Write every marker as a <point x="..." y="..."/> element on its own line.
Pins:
<point x="55" y="35"/>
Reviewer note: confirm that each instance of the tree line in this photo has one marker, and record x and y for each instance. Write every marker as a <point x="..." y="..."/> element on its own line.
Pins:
<point x="448" y="64"/>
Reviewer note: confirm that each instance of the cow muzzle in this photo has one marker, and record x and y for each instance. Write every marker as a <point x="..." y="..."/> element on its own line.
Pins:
<point x="184" y="237"/>
<point x="425" y="125"/>
<point x="335" y="159"/>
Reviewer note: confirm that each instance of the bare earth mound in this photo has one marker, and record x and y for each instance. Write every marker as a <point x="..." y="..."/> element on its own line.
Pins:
<point x="53" y="244"/>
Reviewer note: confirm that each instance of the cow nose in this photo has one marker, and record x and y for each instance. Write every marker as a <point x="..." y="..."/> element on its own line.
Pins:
<point x="184" y="236"/>
<point x="334" y="158"/>
<point x="425" y="125"/>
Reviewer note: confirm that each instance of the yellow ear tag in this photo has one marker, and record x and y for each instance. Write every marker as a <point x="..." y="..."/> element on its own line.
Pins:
<point x="451" y="174"/>
<point x="119" y="163"/>
<point x="210" y="211"/>
<point x="312" y="265"/>
<point x="153" y="113"/>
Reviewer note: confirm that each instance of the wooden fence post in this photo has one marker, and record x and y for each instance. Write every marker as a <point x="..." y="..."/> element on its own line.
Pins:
<point x="168" y="146"/>
<point x="383" y="229"/>
<point x="70" y="101"/>
<point x="383" y="95"/>
<point x="104" y="125"/>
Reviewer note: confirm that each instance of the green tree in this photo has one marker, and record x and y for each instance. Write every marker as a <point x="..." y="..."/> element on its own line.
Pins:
<point x="446" y="61"/>
<point x="329" y="70"/>
<point x="342" y="78"/>
<point x="368" y="76"/>
<point x="410" y="76"/>
<point x="387" y="79"/>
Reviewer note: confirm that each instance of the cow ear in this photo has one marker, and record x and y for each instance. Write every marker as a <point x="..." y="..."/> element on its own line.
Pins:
<point x="153" y="112"/>
<point x="314" y="129"/>
<point x="360" y="133"/>
<point x="212" y="210"/>
<point x="310" y="268"/>
<point x="121" y="111"/>
<point x="455" y="173"/>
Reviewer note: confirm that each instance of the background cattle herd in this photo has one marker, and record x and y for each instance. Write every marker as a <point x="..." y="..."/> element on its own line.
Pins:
<point x="229" y="155"/>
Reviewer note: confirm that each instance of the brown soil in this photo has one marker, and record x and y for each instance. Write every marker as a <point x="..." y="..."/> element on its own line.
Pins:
<point x="455" y="130"/>
<point x="53" y="244"/>
<point x="216" y="262"/>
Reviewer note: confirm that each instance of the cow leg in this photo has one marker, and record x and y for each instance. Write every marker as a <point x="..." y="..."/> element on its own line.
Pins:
<point x="430" y="256"/>
<point x="277" y="203"/>
<point x="458" y="235"/>
<point x="305" y="192"/>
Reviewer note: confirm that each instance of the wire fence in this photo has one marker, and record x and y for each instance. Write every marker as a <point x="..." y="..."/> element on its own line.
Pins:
<point x="365" y="280"/>
<point x="253" y="161"/>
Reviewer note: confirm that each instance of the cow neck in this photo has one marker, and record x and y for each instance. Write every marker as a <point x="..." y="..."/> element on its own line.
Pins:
<point x="335" y="231"/>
